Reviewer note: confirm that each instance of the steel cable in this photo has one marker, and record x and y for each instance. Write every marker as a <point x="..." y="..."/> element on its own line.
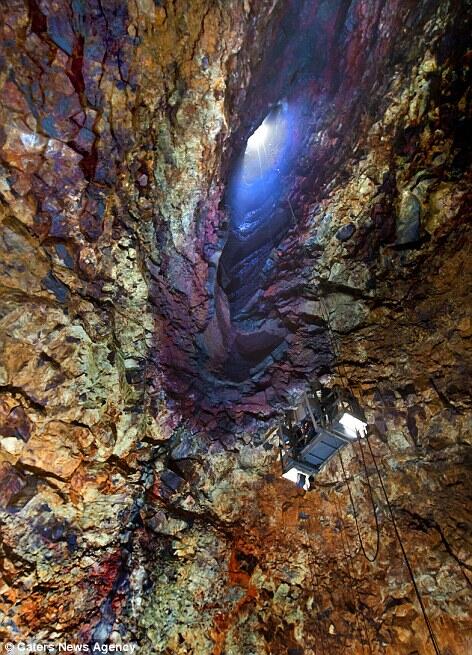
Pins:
<point x="374" y="509"/>
<point x="397" y="534"/>
<point x="314" y="583"/>
<point x="348" y="559"/>
<point x="377" y="527"/>
<point x="405" y="556"/>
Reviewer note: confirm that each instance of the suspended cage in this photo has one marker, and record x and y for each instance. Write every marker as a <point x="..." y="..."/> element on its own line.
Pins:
<point x="315" y="428"/>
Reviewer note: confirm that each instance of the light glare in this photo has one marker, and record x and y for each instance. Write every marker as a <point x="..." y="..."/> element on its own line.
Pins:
<point x="292" y="475"/>
<point x="259" y="137"/>
<point x="353" y="425"/>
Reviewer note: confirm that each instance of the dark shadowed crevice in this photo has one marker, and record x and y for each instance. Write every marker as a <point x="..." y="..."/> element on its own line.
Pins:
<point x="323" y="69"/>
<point x="278" y="119"/>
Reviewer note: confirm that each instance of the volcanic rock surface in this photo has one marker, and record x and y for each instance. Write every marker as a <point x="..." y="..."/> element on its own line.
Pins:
<point x="152" y="328"/>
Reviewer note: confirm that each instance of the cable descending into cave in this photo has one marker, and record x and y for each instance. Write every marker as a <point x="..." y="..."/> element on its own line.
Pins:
<point x="337" y="355"/>
<point x="260" y="161"/>
<point x="354" y="511"/>
<point x="397" y="533"/>
<point x="314" y="581"/>
<point x="291" y="210"/>
<point x="449" y="550"/>
<point x="371" y="493"/>
<point x="405" y="556"/>
<point x="348" y="558"/>
<point x="436" y="526"/>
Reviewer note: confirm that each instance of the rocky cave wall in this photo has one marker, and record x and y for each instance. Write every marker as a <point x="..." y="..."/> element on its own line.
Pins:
<point x="141" y="500"/>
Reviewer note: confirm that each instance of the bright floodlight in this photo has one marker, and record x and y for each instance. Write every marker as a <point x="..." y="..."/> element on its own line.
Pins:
<point x="353" y="425"/>
<point x="293" y="475"/>
<point x="259" y="137"/>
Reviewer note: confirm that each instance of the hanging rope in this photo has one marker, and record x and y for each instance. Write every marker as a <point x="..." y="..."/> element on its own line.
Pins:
<point x="348" y="558"/>
<point x="451" y="553"/>
<point x="398" y="537"/>
<point x="314" y="582"/>
<point x="291" y="210"/>
<point x="397" y="534"/>
<point x="337" y="358"/>
<point x="354" y="511"/>
<point x="436" y="526"/>
<point x="281" y="451"/>
<point x="371" y="495"/>
<point x="405" y="556"/>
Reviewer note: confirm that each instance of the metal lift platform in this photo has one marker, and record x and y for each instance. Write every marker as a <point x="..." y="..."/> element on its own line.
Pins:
<point x="333" y="425"/>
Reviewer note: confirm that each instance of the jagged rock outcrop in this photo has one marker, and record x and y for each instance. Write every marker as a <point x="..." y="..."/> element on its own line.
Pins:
<point x="147" y="345"/>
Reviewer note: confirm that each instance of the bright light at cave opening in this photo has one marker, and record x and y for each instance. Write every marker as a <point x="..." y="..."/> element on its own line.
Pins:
<point x="265" y="151"/>
<point x="259" y="137"/>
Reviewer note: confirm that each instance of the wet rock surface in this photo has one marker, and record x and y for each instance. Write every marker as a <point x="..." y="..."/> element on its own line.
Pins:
<point x="140" y="497"/>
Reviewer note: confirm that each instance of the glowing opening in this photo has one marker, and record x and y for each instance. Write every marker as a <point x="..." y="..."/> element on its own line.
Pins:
<point x="353" y="425"/>
<point x="266" y="153"/>
<point x="259" y="137"/>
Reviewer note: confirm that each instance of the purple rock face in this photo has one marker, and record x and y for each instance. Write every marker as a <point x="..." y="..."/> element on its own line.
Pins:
<point x="11" y="484"/>
<point x="260" y="269"/>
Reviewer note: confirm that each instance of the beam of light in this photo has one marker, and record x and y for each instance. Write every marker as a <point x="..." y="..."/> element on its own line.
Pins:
<point x="256" y="180"/>
<point x="259" y="137"/>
